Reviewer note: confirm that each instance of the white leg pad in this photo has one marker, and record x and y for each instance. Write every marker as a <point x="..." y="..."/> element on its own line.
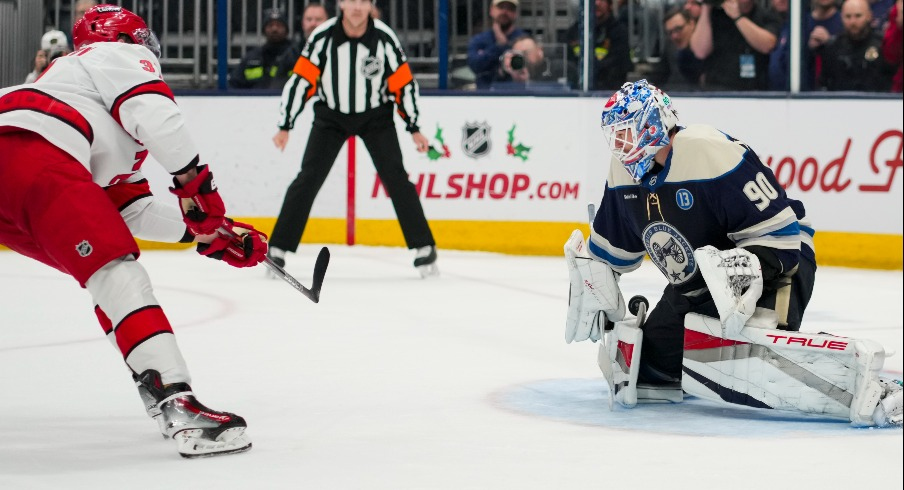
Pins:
<point x="795" y="371"/>
<point x="619" y="360"/>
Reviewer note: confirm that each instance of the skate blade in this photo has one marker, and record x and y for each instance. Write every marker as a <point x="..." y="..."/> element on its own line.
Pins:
<point x="428" y="271"/>
<point x="193" y="444"/>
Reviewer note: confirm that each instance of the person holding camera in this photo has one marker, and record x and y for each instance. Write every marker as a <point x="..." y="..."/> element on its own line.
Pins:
<point x="486" y="50"/>
<point x="734" y="39"/>
<point x="528" y="66"/>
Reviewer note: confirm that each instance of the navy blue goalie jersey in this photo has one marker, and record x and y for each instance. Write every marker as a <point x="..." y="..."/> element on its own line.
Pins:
<point x="712" y="190"/>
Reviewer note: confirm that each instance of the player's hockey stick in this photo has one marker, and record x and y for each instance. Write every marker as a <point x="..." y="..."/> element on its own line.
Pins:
<point x="313" y="294"/>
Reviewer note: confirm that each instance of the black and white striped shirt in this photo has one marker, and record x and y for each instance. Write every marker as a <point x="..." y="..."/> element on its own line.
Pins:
<point x="351" y="76"/>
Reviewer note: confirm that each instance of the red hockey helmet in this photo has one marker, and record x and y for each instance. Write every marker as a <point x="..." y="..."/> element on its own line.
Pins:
<point x="106" y="23"/>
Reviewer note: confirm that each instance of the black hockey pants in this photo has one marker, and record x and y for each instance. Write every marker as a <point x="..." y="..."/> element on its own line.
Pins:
<point x="329" y="132"/>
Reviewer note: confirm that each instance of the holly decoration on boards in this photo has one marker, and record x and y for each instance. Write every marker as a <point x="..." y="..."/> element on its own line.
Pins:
<point x="516" y="150"/>
<point x="432" y="153"/>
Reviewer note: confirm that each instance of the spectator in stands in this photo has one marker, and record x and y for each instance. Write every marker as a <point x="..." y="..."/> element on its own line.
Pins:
<point x="485" y="50"/>
<point x="528" y="67"/>
<point x="678" y="69"/>
<point x="693" y="8"/>
<point x="55" y="44"/>
<point x="734" y="40"/>
<point x="81" y="6"/>
<point x="78" y="11"/>
<point x="40" y="64"/>
<point x="642" y="42"/>
<point x="313" y="15"/>
<point x="611" y="59"/>
<point x="269" y="66"/>
<point x="823" y="24"/>
<point x="852" y="60"/>
<point x="893" y="45"/>
<point x="780" y="57"/>
<point x="881" y="9"/>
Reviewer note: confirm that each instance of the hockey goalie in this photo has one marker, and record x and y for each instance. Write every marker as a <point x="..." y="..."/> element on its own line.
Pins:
<point x="739" y="258"/>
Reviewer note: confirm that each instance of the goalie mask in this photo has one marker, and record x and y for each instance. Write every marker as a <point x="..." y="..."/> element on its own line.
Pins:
<point x="106" y="23"/>
<point x="636" y="122"/>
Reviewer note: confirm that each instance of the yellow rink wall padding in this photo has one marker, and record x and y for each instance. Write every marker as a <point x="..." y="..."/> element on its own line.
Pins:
<point x="861" y="250"/>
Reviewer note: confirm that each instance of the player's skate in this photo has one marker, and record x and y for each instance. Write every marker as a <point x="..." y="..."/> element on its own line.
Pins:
<point x="150" y="404"/>
<point x="279" y="258"/>
<point x="891" y="405"/>
<point x="197" y="430"/>
<point x="425" y="261"/>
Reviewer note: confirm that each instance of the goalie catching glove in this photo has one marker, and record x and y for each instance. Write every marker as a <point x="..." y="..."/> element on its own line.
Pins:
<point x="594" y="296"/>
<point x="735" y="281"/>
<point x="202" y="207"/>
<point x="237" y="244"/>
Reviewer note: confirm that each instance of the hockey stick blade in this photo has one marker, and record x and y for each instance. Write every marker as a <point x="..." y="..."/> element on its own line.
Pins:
<point x="323" y="260"/>
<point x="313" y="294"/>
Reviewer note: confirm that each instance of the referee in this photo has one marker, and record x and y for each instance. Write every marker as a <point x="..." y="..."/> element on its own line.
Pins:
<point x="356" y="67"/>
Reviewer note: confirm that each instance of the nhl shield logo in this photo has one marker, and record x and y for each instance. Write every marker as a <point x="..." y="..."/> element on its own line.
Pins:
<point x="475" y="139"/>
<point x="371" y="67"/>
<point x="84" y="248"/>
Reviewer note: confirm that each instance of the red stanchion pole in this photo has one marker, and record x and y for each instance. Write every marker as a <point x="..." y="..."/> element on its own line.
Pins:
<point x="350" y="209"/>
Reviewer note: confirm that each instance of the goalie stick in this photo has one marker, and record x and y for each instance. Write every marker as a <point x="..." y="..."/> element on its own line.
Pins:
<point x="604" y="359"/>
<point x="607" y="358"/>
<point x="313" y="294"/>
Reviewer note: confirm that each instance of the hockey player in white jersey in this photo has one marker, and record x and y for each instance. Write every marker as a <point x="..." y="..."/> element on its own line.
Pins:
<point x="72" y="196"/>
<point x="739" y="258"/>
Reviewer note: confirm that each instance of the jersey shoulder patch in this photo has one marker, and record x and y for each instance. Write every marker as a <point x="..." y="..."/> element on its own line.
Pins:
<point x="702" y="152"/>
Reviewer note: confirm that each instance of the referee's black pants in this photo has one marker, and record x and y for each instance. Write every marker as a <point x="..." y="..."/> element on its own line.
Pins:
<point x="328" y="133"/>
<point x="662" y="350"/>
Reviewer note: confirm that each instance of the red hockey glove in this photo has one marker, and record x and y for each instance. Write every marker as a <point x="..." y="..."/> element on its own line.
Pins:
<point x="202" y="208"/>
<point x="245" y="247"/>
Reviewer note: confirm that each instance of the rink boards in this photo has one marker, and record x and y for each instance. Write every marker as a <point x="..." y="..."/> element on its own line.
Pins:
<point x="515" y="174"/>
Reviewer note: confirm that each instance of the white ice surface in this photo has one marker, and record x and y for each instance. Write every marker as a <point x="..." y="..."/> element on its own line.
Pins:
<point x="392" y="382"/>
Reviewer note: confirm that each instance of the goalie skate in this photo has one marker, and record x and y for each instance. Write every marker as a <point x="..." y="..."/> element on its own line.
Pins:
<point x="197" y="430"/>
<point x="890" y="410"/>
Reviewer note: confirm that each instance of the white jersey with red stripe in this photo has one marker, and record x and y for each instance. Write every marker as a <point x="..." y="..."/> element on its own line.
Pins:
<point x="107" y="106"/>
